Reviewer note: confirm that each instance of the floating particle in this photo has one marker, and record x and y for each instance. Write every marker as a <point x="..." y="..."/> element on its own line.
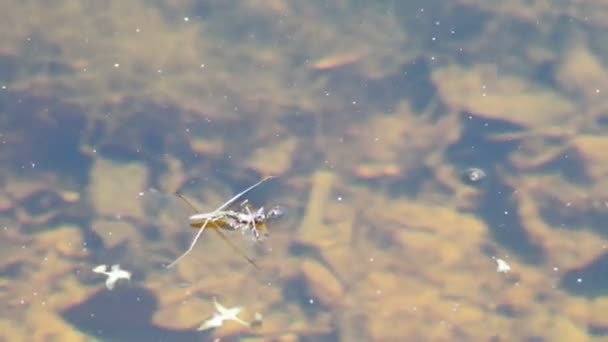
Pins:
<point x="473" y="175"/>
<point x="222" y="314"/>
<point x="115" y="274"/>
<point x="502" y="266"/>
<point x="258" y="319"/>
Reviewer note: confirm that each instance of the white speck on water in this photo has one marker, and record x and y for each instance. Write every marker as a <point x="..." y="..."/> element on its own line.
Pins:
<point x="502" y="266"/>
<point x="113" y="275"/>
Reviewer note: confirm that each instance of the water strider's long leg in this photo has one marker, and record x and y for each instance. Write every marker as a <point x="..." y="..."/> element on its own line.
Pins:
<point x="227" y="203"/>
<point x="235" y="248"/>
<point x="196" y="237"/>
<point x="237" y="196"/>
<point x="188" y="203"/>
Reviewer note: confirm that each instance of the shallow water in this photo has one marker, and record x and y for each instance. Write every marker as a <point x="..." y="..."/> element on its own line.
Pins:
<point x="368" y="113"/>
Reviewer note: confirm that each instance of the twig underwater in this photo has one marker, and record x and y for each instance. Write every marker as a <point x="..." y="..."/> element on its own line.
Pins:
<point x="220" y="218"/>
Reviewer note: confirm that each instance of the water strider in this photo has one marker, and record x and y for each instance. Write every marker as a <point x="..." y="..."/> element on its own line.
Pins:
<point x="244" y="219"/>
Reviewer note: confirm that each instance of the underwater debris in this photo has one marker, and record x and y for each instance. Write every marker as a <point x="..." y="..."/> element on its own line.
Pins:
<point x="258" y="320"/>
<point x="222" y="314"/>
<point x="502" y="266"/>
<point x="473" y="175"/>
<point x="115" y="274"/>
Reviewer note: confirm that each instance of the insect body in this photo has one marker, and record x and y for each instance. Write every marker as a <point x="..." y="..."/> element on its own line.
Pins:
<point x="246" y="220"/>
